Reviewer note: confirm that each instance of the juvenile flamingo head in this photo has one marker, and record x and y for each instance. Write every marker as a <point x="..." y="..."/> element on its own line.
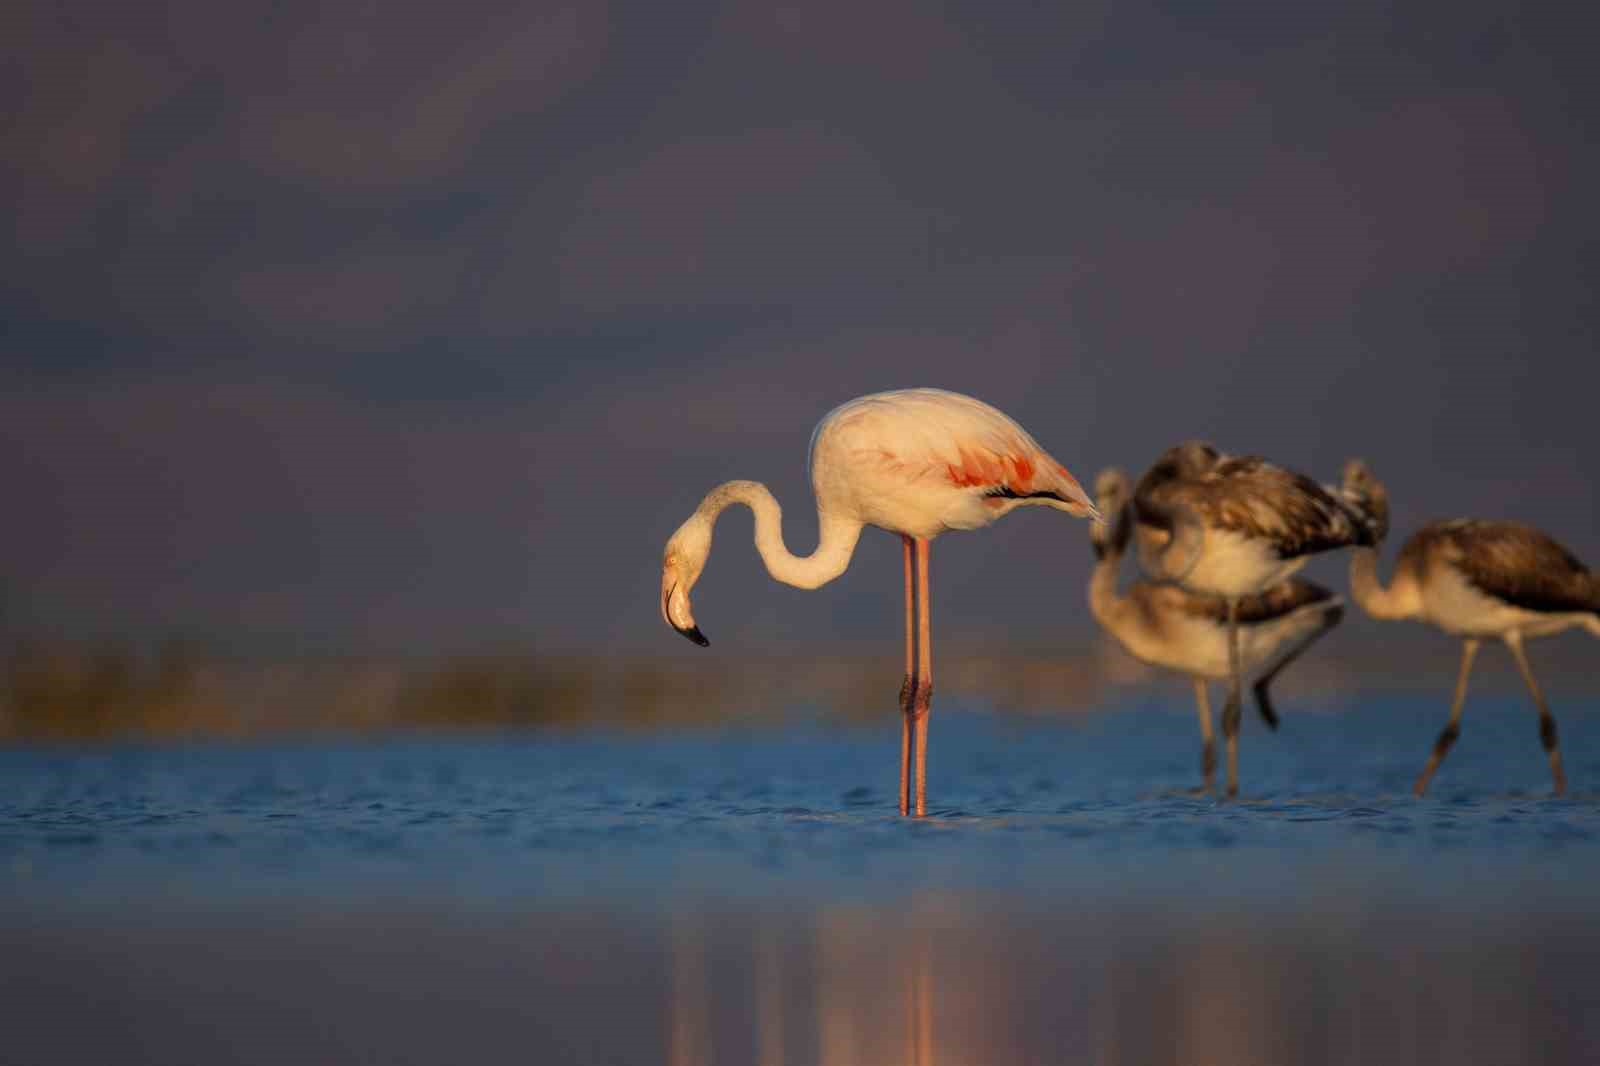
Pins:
<point x="681" y="563"/>
<point x="1191" y="460"/>
<point x="1363" y="489"/>
<point x="1110" y="491"/>
<point x="1108" y="531"/>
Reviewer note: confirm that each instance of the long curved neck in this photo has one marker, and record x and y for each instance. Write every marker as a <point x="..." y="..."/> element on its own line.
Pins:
<point x="1104" y="603"/>
<point x="835" y="545"/>
<point x="1398" y="600"/>
<point x="1185" y="539"/>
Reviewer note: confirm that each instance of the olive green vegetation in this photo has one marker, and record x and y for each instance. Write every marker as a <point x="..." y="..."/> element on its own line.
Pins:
<point x="77" y="691"/>
<point x="71" y="691"/>
<point x="60" y="690"/>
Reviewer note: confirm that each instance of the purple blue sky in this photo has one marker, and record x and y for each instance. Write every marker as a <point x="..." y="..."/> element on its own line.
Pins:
<point x="420" y="326"/>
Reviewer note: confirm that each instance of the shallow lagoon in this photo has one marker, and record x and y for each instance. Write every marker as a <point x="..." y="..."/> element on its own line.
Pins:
<point x="748" y="894"/>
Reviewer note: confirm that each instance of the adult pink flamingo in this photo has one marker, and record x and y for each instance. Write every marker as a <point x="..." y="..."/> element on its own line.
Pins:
<point x="915" y="462"/>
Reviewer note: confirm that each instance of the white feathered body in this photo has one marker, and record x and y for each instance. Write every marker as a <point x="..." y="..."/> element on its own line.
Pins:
<point x="923" y="461"/>
<point x="916" y="462"/>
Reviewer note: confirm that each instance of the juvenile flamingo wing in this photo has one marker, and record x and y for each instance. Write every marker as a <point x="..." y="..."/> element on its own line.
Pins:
<point x="1254" y="498"/>
<point x="1280" y="600"/>
<point x="1523" y="566"/>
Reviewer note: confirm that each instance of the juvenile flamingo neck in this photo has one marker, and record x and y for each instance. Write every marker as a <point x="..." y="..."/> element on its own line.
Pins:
<point x="1104" y="603"/>
<point x="1186" y="534"/>
<point x="836" y="541"/>
<point x="1399" y="600"/>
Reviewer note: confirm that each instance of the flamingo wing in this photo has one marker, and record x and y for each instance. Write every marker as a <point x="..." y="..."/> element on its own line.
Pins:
<point x="1281" y="599"/>
<point x="1263" y="501"/>
<point x="1519" y="565"/>
<point x="917" y="445"/>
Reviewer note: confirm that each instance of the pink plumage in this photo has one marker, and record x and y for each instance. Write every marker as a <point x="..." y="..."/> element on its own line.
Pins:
<point x="922" y="461"/>
<point x="916" y="462"/>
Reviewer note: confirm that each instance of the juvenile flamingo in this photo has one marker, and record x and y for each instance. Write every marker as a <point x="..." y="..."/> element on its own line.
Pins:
<point x="1233" y="527"/>
<point x="1475" y="579"/>
<point x="1186" y="632"/>
<point x="916" y="462"/>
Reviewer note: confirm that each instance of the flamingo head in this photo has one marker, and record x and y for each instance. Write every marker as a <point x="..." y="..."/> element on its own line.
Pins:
<point x="681" y="563"/>
<point x="1108" y="531"/>
<point x="1363" y="489"/>
<point x="1191" y="459"/>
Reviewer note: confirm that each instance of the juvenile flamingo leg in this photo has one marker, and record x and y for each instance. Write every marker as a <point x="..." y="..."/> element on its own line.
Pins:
<point x="1447" y="736"/>
<point x="1232" y="709"/>
<point x="1547" y="722"/>
<point x="1269" y="715"/>
<point x="922" y="698"/>
<point x="908" y="686"/>
<point x="1208" y="743"/>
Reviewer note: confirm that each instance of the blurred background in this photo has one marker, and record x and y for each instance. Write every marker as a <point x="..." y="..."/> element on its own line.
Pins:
<point x="387" y="343"/>
<point x="357" y="360"/>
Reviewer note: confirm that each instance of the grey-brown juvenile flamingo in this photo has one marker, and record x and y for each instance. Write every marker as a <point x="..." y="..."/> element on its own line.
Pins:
<point x="1187" y="632"/>
<point x="1234" y="527"/>
<point x="1475" y="579"/>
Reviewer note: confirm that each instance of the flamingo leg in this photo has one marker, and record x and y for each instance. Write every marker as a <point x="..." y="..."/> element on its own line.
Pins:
<point x="1547" y="724"/>
<point x="1263" y="698"/>
<point x="908" y="686"/>
<point x="1208" y="743"/>
<point x="922" y="699"/>
<point x="1447" y="735"/>
<point x="1231" y="710"/>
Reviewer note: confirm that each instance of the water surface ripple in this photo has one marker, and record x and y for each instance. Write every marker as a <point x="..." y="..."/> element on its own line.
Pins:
<point x="1091" y="803"/>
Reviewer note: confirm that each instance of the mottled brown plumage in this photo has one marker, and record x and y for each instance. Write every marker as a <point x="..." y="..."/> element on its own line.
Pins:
<point x="1249" y="496"/>
<point x="1168" y="626"/>
<point x="1475" y="579"/>
<point x="1512" y="562"/>
<point x="1233" y="528"/>
<point x="1279" y="600"/>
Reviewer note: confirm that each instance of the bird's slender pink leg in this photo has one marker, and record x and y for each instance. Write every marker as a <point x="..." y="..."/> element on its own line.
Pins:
<point x="908" y="684"/>
<point x="922" y="700"/>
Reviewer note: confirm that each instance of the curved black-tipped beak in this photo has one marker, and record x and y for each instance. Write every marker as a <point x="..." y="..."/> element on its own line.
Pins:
<point x="694" y="634"/>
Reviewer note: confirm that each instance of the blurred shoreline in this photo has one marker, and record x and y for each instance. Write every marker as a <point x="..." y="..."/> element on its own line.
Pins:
<point x="88" y="690"/>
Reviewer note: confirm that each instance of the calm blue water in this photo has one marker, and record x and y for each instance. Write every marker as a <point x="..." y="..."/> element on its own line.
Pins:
<point x="1025" y="803"/>
<point x="1065" y="865"/>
